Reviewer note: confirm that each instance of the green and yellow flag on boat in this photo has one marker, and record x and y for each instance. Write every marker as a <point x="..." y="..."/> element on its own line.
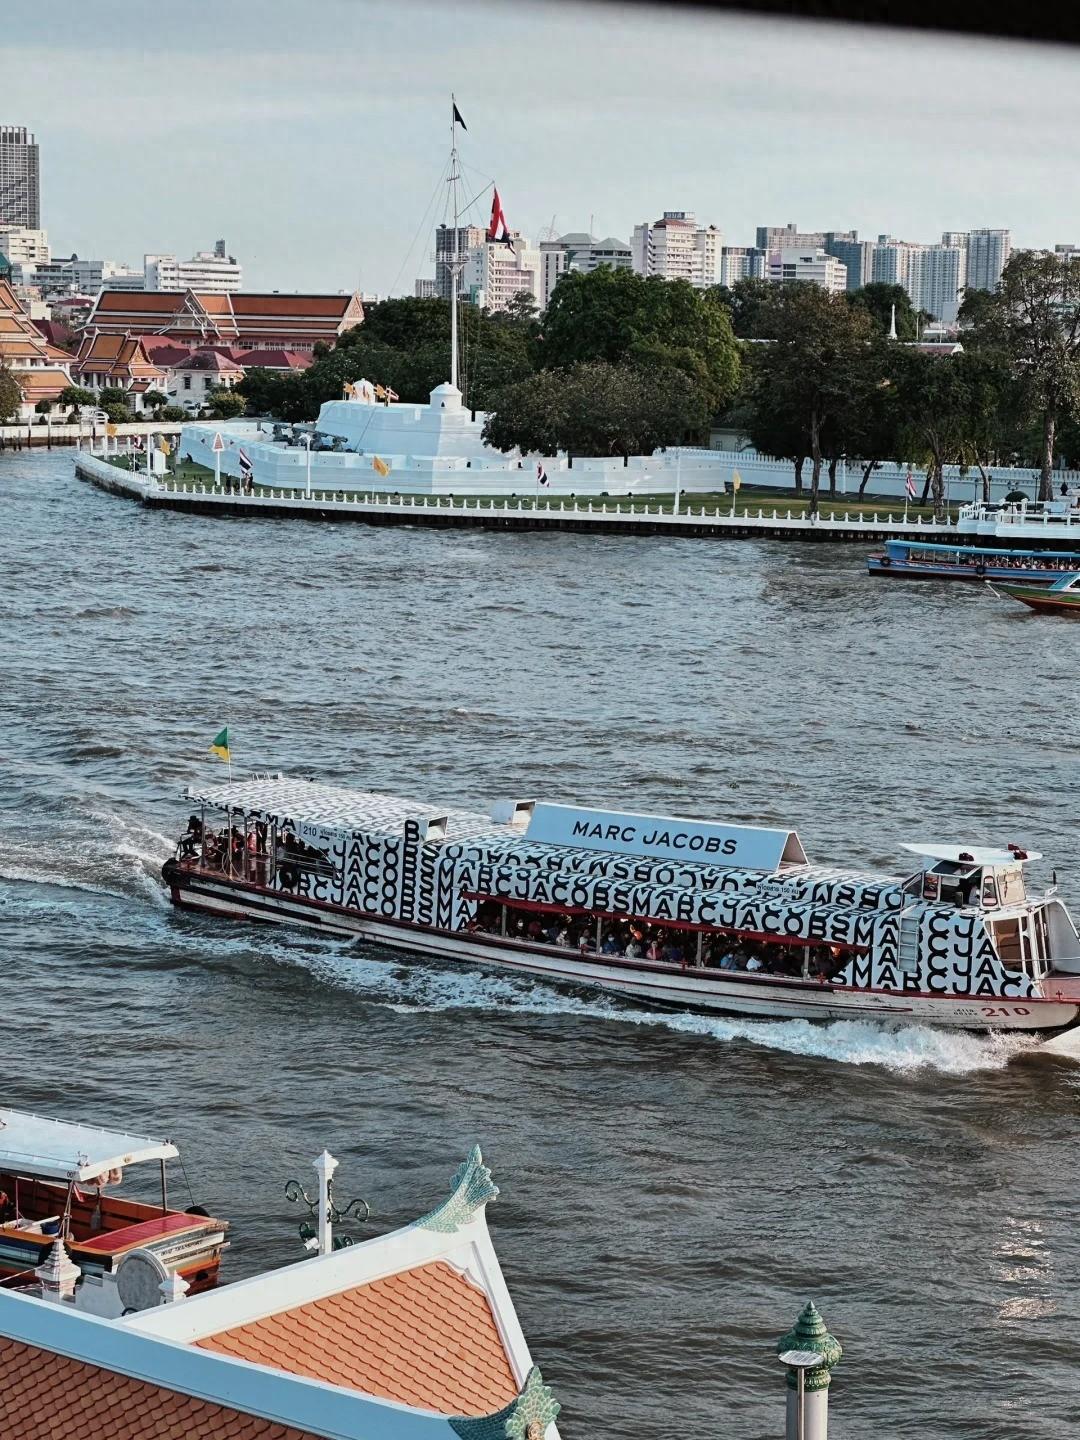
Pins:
<point x="220" y="747"/>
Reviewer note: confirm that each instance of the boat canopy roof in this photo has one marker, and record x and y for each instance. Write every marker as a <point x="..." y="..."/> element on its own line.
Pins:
<point x="289" y="801"/>
<point x="902" y="546"/>
<point x="307" y="807"/>
<point x="974" y="855"/>
<point x="34" y="1145"/>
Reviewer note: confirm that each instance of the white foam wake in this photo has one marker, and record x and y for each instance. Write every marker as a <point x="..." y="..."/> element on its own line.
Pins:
<point x="906" y="1049"/>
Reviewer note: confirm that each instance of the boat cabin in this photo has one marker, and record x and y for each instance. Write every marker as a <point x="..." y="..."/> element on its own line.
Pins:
<point x="982" y="878"/>
<point x="59" y="1181"/>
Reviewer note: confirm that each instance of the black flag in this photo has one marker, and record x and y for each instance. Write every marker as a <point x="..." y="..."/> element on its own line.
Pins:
<point x="457" y="117"/>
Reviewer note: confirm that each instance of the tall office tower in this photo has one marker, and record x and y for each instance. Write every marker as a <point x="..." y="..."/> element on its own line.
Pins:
<point x="20" y="195"/>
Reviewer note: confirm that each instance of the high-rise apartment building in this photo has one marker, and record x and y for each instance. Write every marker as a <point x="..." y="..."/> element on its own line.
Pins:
<point x="678" y="248"/>
<point x="207" y="270"/>
<point x="935" y="279"/>
<point x="426" y="290"/>
<point x="788" y="237"/>
<point x="466" y="238"/>
<point x="741" y="262"/>
<point x="988" y="252"/>
<point x="20" y="191"/>
<point x="495" y="272"/>
<point x="578" y="252"/>
<point x="23" y="246"/>
<point x="811" y="265"/>
<point x="857" y="255"/>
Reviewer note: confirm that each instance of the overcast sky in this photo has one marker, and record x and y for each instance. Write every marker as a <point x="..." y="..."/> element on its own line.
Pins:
<point x="313" y="136"/>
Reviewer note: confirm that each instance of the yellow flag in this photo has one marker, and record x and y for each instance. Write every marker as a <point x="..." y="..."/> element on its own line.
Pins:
<point x="164" y="446"/>
<point x="736" y="480"/>
<point x="349" y="390"/>
<point x="110" y="430"/>
<point x="379" y="466"/>
<point x="380" y="391"/>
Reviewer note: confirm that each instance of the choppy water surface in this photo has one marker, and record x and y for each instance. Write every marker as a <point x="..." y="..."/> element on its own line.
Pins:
<point x="673" y="1187"/>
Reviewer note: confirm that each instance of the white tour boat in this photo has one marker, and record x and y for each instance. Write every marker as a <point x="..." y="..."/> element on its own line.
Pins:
<point x="717" y="917"/>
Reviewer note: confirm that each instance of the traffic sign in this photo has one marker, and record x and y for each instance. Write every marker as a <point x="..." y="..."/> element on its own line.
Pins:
<point x="218" y="445"/>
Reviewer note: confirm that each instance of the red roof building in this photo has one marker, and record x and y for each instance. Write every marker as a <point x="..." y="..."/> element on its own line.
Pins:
<point x="41" y="370"/>
<point x="288" y="322"/>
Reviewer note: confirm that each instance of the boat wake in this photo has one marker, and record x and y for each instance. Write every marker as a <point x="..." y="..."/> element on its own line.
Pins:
<point x="120" y="856"/>
<point x="904" y="1049"/>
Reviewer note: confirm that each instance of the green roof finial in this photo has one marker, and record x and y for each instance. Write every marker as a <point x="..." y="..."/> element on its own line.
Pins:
<point x="472" y="1189"/>
<point x="526" y="1418"/>
<point x="810" y="1334"/>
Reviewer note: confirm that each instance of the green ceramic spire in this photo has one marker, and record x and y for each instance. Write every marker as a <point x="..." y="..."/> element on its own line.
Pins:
<point x="810" y="1334"/>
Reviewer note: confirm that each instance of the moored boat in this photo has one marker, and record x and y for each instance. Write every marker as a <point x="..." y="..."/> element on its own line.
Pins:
<point x="1060" y="598"/>
<point x="664" y="910"/>
<point x="59" y="1180"/>
<point x="913" y="560"/>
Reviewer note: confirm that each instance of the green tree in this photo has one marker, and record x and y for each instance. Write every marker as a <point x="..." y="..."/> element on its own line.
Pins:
<point x="75" y="397"/>
<point x="173" y="412"/>
<point x="154" y="399"/>
<point x="819" y="359"/>
<point x="750" y="303"/>
<point x="770" y="428"/>
<point x="112" y="395"/>
<point x="620" y="317"/>
<point x="878" y="298"/>
<point x="1033" y="323"/>
<point x="116" y="411"/>
<point x="10" y="395"/>
<point x="934" y="399"/>
<point x="596" y="408"/>
<point x="225" y="404"/>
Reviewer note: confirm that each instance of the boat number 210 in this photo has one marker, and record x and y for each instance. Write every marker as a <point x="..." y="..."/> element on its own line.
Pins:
<point x="991" y="1011"/>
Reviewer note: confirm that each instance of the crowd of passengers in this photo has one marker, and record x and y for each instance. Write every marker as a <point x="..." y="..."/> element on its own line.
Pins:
<point x="246" y="857"/>
<point x="658" y="944"/>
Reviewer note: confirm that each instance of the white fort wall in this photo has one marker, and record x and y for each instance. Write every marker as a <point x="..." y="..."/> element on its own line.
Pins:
<point x="438" y="449"/>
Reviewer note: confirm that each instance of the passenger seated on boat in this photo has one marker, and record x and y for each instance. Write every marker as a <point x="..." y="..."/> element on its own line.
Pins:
<point x="729" y="960"/>
<point x="562" y="938"/>
<point x="654" y="950"/>
<point x="610" y="945"/>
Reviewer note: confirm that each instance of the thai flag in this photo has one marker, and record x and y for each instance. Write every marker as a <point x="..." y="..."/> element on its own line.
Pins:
<point x="245" y="464"/>
<point x="910" y="485"/>
<point x="542" y="476"/>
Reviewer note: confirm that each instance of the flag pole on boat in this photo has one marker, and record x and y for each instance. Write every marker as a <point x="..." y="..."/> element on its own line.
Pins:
<point x="222" y="749"/>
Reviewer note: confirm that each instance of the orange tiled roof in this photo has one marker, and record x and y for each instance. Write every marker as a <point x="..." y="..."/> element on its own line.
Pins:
<point x="122" y="356"/>
<point x="20" y="339"/>
<point x="40" y="384"/>
<point x="249" y="318"/>
<point x="45" y="1396"/>
<point x="425" y="1337"/>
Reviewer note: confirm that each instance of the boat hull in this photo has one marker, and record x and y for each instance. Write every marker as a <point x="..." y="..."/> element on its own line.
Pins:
<point x="902" y="570"/>
<point x="1061" y="602"/>
<point x="682" y="987"/>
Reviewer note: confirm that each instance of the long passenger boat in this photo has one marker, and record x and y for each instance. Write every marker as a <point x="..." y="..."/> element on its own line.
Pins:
<point x="667" y="911"/>
<point x="913" y="560"/>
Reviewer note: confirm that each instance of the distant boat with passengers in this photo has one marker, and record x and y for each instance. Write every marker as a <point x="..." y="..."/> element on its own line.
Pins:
<point x="663" y="910"/>
<point x="916" y="560"/>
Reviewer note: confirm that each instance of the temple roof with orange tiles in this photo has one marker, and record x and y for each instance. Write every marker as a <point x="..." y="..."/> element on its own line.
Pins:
<point x="407" y="1335"/>
<point x="272" y="321"/>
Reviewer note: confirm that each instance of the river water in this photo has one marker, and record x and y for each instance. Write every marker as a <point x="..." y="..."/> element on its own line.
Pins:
<point x="674" y="1188"/>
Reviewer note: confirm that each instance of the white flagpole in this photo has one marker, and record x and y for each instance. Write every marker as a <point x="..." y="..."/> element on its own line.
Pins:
<point x="678" y="480"/>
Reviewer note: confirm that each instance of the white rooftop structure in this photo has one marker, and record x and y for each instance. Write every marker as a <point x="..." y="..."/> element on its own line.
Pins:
<point x="55" y="1149"/>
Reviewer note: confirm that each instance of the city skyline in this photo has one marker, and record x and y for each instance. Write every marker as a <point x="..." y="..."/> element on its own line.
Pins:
<point x="833" y="127"/>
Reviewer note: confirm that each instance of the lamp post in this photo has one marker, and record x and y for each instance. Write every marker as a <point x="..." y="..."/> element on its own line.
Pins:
<point x="801" y="1361"/>
<point x="809" y="1352"/>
